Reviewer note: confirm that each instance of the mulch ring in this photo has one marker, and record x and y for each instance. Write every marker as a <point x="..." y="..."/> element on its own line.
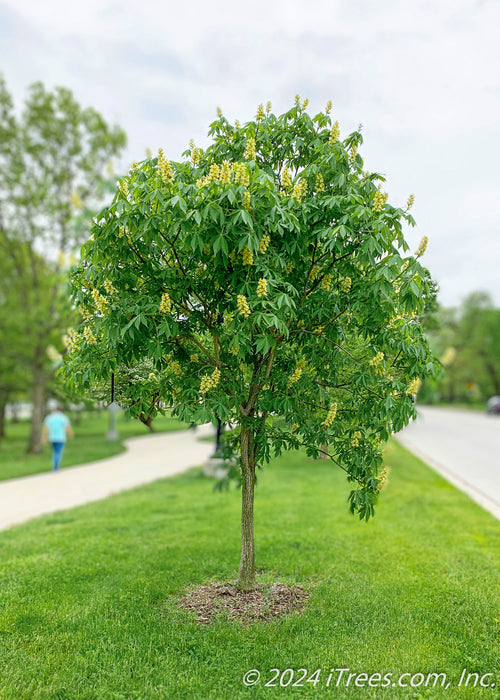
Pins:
<point x="262" y="604"/>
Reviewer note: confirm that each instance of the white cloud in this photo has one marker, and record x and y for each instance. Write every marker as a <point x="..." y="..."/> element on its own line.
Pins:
<point x="422" y="77"/>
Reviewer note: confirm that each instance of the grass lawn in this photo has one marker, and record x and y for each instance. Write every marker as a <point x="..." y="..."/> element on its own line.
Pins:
<point x="87" y="596"/>
<point x="89" y="443"/>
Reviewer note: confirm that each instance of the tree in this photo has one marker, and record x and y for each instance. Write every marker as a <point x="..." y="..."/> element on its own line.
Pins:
<point x="52" y="176"/>
<point x="264" y="278"/>
<point x="466" y="339"/>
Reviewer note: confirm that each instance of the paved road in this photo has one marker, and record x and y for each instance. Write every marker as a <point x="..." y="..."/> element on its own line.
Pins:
<point x="464" y="446"/>
<point x="146" y="459"/>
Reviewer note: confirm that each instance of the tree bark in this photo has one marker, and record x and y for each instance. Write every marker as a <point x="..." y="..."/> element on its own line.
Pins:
<point x="246" y="576"/>
<point x="3" y="406"/>
<point x="35" y="441"/>
<point x="148" y="421"/>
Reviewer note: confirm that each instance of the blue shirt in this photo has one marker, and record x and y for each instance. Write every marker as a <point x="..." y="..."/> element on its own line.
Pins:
<point x="56" y="423"/>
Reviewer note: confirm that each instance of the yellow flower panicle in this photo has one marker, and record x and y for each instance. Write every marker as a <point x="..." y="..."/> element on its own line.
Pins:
<point x="295" y="376"/>
<point x="70" y="339"/>
<point x="379" y="199"/>
<point x="176" y="368"/>
<point x="286" y="180"/>
<point x="305" y="103"/>
<point x="300" y="190"/>
<point x="89" y="336"/>
<point x="260" y="113"/>
<point x="262" y="287"/>
<point x="332" y="412"/>
<point x="250" y="153"/>
<point x="247" y="203"/>
<point x="346" y="285"/>
<point x="219" y="112"/>
<point x="165" y="303"/>
<point x="209" y="381"/>
<point x="194" y="357"/>
<point x="123" y="187"/>
<point x="108" y="286"/>
<point x="195" y="155"/>
<point x="353" y="154"/>
<point x="299" y="368"/>
<point x="334" y="133"/>
<point x="152" y="377"/>
<point x="410" y="202"/>
<point x="234" y="350"/>
<point x="264" y="243"/>
<point x="225" y="172"/>
<point x="297" y="99"/>
<point x="269" y="107"/>
<point x="319" y="183"/>
<point x="214" y="173"/>
<point x="326" y="282"/>
<point x="100" y="302"/>
<point x="288" y="268"/>
<point x="314" y="272"/>
<point x="247" y="256"/>
<point x="242" y="306"/>
<point x="121" y="231"/>
<point x="328" y="108"/>
<point x="413" y="387"/>
<point x="165" y="168"/>
<point x="375" y="361"/>
<point x="355" y="439"/>
<point x="237" y="124"/>
<point x="241" y="175"/>
<point x="422" y="247"/>
<point x="382" y="478"/>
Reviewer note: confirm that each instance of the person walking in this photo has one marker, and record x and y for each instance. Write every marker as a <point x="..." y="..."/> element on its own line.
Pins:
<point x="56" y="430"/>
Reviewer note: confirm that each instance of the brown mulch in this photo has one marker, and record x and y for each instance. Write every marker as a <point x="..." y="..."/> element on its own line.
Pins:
<point x="262" y="604"/>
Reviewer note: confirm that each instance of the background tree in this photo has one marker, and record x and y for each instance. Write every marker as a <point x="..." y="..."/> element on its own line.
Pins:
<point x="467" y="339"/>
<point x="14" y="379"/>
<point x="264" y="278"/>
<point x="53" y="159"/>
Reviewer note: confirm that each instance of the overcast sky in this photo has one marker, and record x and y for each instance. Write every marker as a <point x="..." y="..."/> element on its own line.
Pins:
<point x="423" y="78"/>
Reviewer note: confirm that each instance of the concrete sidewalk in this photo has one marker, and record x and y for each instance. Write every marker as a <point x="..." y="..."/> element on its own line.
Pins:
<point x="146" y="459"/>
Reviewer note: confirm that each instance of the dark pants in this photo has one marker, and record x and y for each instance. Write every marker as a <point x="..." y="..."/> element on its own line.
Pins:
<point x="57" y="448"/>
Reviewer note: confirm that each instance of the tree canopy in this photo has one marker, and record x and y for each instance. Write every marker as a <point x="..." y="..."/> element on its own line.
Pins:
<point x="265" y="278"/>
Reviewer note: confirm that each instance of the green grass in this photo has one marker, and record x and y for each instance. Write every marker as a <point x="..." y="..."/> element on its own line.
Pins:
<point x="88" y="445"/>
<point x="87" y="596"/>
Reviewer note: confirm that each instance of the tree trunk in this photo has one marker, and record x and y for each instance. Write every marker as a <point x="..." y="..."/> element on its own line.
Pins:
<point x="246" y="576"/>
<point x="148" y="421"/>
<point x="35" y="441"/>
<point x="14" y="407"/>
<point x="3" y="406"/>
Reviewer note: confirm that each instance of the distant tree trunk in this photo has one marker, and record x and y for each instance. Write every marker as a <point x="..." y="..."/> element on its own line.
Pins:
<point x="246" y="577"/>
<point x="14" y="412"/>
<point x="35" y="441"/>
<point x="495" y="378"/>
<point x="3" y="406"/>
<point x="324" y="451"/>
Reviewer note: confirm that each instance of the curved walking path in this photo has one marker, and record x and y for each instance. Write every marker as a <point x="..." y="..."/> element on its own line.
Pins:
<point x="463" y="446"/>
<point x="146" y="459"/>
